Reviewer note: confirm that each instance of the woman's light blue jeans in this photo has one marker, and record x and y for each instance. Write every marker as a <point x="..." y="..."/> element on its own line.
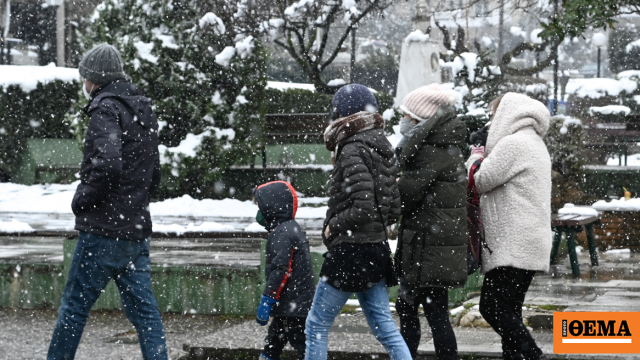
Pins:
<point x="327" y="304"/>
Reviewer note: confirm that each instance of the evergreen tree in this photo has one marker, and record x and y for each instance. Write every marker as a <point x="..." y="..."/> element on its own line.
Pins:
<point x="204" y="72"/>
<point x="621" y="59"/>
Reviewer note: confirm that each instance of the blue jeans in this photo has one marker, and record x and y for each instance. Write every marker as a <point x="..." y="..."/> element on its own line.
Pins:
<point x="327" y="304"/>
<point x="96" y="261"/>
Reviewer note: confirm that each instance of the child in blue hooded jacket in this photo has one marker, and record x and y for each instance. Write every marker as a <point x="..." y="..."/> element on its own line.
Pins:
<point x="289" y="273"/>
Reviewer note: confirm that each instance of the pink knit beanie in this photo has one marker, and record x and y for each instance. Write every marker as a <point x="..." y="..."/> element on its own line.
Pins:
<point x="422" y="103"/>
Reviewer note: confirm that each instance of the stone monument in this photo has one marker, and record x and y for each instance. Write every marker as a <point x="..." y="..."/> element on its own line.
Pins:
<point x="420" y="57"/>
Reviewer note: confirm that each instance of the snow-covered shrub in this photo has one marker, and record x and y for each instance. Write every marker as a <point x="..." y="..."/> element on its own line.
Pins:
<point x="631" y="98"/>
<point x="609" y="113"/>
<point x="32" y="106"/>
<point x="565" y="143"/>
<point x="204" y="72"/>
<point x="587" y="93"/>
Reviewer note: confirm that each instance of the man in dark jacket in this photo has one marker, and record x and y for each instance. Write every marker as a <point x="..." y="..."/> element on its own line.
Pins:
<point x="363" y="201"/>
<point x="119" y="171"/>
<point x="289" y="271"/>
<point x="433" y="241"/>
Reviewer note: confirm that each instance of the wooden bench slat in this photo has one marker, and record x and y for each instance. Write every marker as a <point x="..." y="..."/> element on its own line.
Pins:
<point x="581" y="220"/>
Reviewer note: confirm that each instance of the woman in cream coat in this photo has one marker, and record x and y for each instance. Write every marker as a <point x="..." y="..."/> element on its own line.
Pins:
<point x="514" y="181"/>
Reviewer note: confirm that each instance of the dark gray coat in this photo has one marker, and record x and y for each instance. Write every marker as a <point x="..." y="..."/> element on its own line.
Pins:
<point x="353" y="216"/>
<point x="121" y="166"/>
<point x="433" y="188"/>
<point x="288" y="270"/>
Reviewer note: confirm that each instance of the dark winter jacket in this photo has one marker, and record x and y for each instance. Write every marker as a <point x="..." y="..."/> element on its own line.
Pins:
<point x="121" y="164"/>
<point x="353" y="215"/>
<point x="433" y="246"/>
<point x="288" y="271"/>
<point x="358" y="256"/>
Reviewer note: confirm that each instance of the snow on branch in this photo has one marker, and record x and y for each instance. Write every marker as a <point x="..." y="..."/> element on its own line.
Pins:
<point x="211" y="19"/>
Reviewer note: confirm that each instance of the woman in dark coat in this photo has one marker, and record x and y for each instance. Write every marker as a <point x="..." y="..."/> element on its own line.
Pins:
<point x="433" y="241"/>
<point x="363" y="201"/>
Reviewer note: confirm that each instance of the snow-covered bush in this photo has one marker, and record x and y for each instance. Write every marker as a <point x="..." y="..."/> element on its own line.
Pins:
<point x="631" y="97"/>
<point x="584" y="94"/>
<point x="565" y="143"/>
<point x="33" y="104"/>
<point x="609" y="113"/>
<point x="204" y="71"/>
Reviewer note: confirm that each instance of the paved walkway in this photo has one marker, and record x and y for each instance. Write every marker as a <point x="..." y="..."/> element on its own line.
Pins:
<point x="613" y="286"/>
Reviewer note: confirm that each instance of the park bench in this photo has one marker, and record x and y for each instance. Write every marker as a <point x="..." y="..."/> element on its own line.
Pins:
<point x="292" y="150"/>
<point x="615" y="137"/>
<point x="572" y="224"/>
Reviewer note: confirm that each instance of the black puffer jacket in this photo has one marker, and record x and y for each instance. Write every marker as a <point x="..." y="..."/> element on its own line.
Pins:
<point x="288" y="271"/>
<point x="433" y="188"/>
<point x="121" y="164"/>
<point x="353" y="216"/>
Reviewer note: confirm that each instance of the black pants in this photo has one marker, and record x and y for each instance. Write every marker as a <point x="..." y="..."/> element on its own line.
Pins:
<point x="281" y="330"/>
<point x="435" y="302"/>
<point x="501" y="302"/>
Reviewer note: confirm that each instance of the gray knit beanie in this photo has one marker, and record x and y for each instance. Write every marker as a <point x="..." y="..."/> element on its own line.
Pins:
<point x="102" y="65"/>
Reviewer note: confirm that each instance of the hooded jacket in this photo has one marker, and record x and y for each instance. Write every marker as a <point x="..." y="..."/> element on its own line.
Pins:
<point x="288" y="270"/>
<point x="353" y="215"/>
<point x="515" y="186"/>
<point x="121" y="165"/>
<point x="433" y="190"/>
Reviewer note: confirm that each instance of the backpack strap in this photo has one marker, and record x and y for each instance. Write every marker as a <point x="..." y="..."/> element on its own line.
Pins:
<point x="474" y="198"/>
<point x="472" y="191"/>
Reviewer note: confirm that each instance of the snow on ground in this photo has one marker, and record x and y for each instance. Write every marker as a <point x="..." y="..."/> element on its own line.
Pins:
<point x="14" y="226"/>
<point x="28" y="77"/>
<point x="457" y="310"/>
<point x="618" y="205"/>
<point x="578" y="210"/>
<point x="56" y="198"/>
<point x="632" y="160"/>
<point x="255" y="227"/>
<point x="618" y="251"/>
<point x="179" y="229"/>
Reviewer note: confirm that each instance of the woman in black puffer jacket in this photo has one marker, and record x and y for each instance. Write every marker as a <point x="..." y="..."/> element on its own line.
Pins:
<point x="364" y="200"/>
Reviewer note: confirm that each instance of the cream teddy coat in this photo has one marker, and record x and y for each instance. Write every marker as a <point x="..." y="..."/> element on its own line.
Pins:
<point x="514" y="181"/>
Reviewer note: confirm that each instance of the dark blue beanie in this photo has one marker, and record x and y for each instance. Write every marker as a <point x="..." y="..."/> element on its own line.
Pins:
<point x="353" y="98"/>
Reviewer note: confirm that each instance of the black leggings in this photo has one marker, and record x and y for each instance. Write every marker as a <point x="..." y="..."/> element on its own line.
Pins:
<point x="435" y="302"/>
<point x="281" y="330"/>
<point x="503" y="293"/>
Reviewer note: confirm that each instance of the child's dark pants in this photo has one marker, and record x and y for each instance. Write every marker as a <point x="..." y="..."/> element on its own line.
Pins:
<point x="281" y="330"/>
